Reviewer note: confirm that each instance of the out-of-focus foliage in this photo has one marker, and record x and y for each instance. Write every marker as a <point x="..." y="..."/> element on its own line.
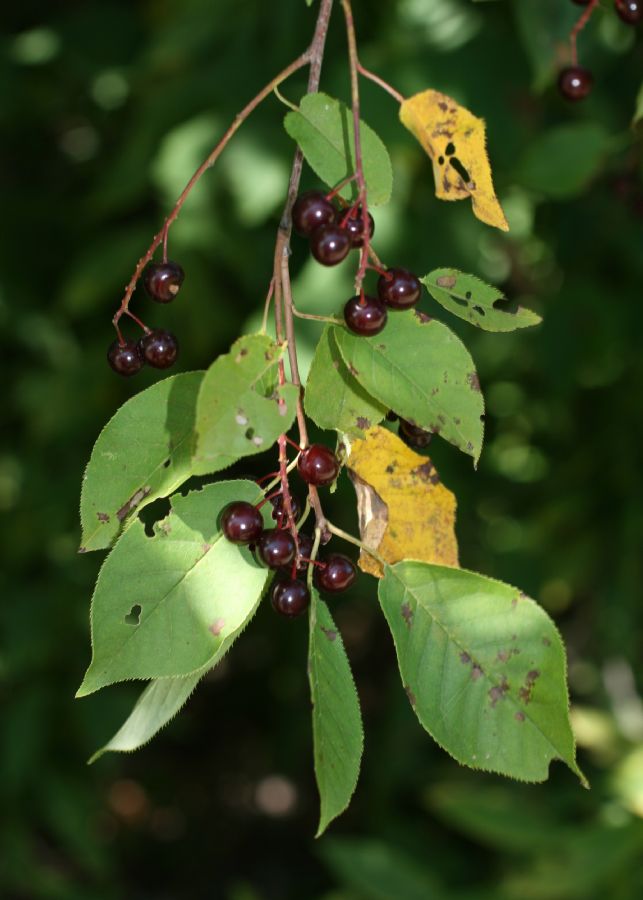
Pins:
<point x="107" y="107"/>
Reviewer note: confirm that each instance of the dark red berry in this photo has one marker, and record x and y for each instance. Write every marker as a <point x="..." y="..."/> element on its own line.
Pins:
<point x="241" y="522"/>
<point x="337" y="574"/>
<point x="125" y="358"/>
<point x="159" y="348"/>
<point x="163" y="281"/>
<point x="290" y="598"/>
<point x="305" y="550"/>
<point x="575" y="82"/>
<point x="318" y="465"/>
<point x="279" y="513"/>
<point x="330" y="244"/>
<point x="276" y="547"/>
<point x="355" y="227"/>
<point x="414" y="437"/>
<point x="311" y="210"/>
<point x="630" y="11"/>
<point x="399" y="288"/>
<point x="365" y="315"/>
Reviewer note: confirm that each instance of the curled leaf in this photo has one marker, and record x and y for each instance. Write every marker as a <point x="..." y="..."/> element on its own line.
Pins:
<point x="455" y="140"/>
<point x="404" y="510"/>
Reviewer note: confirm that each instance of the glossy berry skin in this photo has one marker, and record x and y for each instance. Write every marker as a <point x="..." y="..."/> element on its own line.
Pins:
<point x="290" y="598"/>
<point x="414" y="437"/>
<point x="159" y="348"/>
<point x="311" y="210"/>
<point x="365" y="315"/>
<point x="279" y="513"/>
<point x="276" y="548"/>
<point x="575" y="82"/>
<point x="399" y="288"/>
<point x="330" y="244"/>
<point x="355" y="227"/>
<point x="162" y="281"/>
<point x="305" y="549"/>
<point x="241" y="522"/>
<point x="630" y="11"/>
<point x="125" y="359"/>
<point x="318" y="465"/>
<point x="336" y="575"/>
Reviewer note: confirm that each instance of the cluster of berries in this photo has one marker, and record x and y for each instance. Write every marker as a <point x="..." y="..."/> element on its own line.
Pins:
<point x="242" y="523"/>
<point x="332" y="233"/>
<point x="157" y="347"/>
<point x="576" y="82"/>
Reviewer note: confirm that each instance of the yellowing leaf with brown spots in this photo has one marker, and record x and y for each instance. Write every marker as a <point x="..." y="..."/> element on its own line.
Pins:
<point x="455" y="140"/>
<point x="404" y="510"/>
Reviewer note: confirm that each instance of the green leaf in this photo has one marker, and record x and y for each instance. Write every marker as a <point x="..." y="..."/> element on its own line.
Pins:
<point x="323" y="128"/>
<point x="169" y="604"/>
<point x="483" y="667"/>
<point x="234" y="418"/>
<point x="469" y="298"/>
<point x="160" y="701"/>
<point x="422" y="371"/>
<point x="143" y="452"/>
<point x="337" y="724"/>
<point x="562" y="161"/>
<point x="637" y="121"/>
<point x="333" y="398"/>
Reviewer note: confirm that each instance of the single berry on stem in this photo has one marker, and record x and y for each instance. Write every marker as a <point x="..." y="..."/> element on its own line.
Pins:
<point x="355" y="227"/>
<point x="162" y="281"/>
<point x="126" y="358"/>
<point x="575" y="82"/>
<point x="241" y="522"/>
<point x="279" y="513"/>
<point x="365" y="315"/>
<point x="399" y="288"/>
<point x="311" y="210"/>
<point x="330" y="244"/>
<point x="337" y="574"/>
<point x="414" y="437"/>
<point x="290" y="598"/>
<point x="629" y="11"/>
<point x="159" y="348"/>
<point x="276" y="548"/>
<point x="318" y="465"/>
<point x="306" y="544"/>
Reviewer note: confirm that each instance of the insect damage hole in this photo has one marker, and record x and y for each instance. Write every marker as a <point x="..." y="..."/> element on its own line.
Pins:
<point x="133" y="617"/>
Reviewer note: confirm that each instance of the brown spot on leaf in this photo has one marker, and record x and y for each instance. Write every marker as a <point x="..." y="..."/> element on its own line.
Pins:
<point x="330" y="633"/>
<point x="526" y="690"/>
<point x="422" y="316"/>
<point x="498" y="691"/>
<point x="476" y="672"/>
<point x="217" y="627"/>
<point x="363" y="423"/>
<point x="353" y="370"/>
<point x="407" y="614"/>
<point x="102" y="517"/>
<point x="446" y="281"/>
<point x="427" y="472"/>
<point x="546" y="642"/>
<point x="473" y="381"/>
<point x="132" y="503"/>
<point x="410" y="695"/>
<point x="465" y="658"/>
<point x="243" y="352"/>
<point x="505" y="655"/>
<point x="520" y="716"/>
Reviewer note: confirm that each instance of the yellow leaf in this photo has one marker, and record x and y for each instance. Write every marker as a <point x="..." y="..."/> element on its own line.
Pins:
<point x="455" y="140"/>
<point x="404" y="511"/>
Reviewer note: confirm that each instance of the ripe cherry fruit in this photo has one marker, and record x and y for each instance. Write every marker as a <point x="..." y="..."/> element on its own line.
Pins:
<point x="159" y="348"/>
<point x="305" y="549"/>
<point x="318" y="465"/>
<point x="337" y="574"/>
<point x="355" y="227"/>
<point x="311" y="210"/>
<point x="365" y="315"/>
<point x="125" y="358"/>
<point x="330" y="244"/>
<point x="276" y="548"/>
<point x="414" y="437"/>
<point x="279" y="513"/>
<point x="162" y="281"/>
<point x="290" y="598"/>
<point x="575" y="82"/>
<point x="629" y="11"/>
<point x="399" y="288"/>
<point x="241" y="522"/>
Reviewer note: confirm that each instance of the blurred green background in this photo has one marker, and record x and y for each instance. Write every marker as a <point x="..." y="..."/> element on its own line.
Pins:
<point x="106" y="109"/>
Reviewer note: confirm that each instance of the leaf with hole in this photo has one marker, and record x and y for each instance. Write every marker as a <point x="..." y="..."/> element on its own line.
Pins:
<point x="469" y="298"/>
<point x="163" y="605"/>
<point x="323" y="129"/>
<point x="483" y="667"/>
<point x="421" y="370"/>
<point x="144" y="452"/>
<point x="333" y="398"/>
<point x="337" y="723"/>
<point x="234" y="418"/>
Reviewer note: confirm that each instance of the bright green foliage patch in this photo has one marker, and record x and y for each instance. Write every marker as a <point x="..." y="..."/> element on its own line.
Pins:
<point x="337" y="723"/>
<point x="323" y="128"/>
<point x="422" y="371"/>
<point x="483" y="667"/>
<point x="471" y="299"/>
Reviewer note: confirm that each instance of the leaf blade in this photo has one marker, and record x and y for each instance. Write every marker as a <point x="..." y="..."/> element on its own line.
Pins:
<point x="470" y="299"/>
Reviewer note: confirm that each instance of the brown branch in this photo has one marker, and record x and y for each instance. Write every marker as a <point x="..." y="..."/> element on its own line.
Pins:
<point x="380" y="82"/>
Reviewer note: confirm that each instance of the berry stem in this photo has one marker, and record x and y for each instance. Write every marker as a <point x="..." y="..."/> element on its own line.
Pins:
<point x="138" y="321"/>
<point x="315" y="318"/>
<point x="578" y="27"/>
<point x="313" y="556"/>
<point x="380" y="81"/>
<point x="342" y="184"/>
